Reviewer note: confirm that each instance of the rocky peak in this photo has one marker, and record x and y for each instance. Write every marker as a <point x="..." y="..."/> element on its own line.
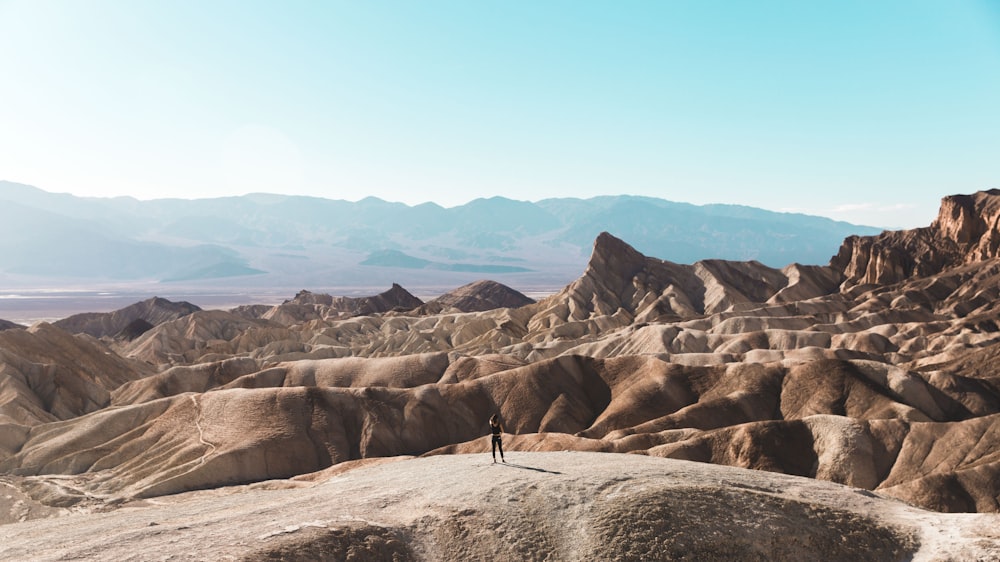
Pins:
<point x="613" y="256"/>
<point x="967" y="230"/>
<point x="396" y="298"/>
<point x="972" y="222"/>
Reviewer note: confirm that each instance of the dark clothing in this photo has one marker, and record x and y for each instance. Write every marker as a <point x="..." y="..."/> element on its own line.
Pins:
<point x="497" y="440"/>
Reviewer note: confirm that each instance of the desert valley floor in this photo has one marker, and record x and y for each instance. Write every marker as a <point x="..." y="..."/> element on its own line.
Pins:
<point x="851" y="409"/>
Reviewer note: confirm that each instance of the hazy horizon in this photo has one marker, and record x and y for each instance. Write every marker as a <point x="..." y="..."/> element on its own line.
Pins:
<point x="358" y="199"/>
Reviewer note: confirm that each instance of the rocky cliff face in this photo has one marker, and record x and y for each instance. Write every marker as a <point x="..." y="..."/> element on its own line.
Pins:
<point x="966" y="230"/>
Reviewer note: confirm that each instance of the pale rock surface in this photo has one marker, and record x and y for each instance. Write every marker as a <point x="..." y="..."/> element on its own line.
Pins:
<point x="537" y="506"/>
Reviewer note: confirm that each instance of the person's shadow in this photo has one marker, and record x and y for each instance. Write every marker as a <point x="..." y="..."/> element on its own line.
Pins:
<point x="521" y="466"/>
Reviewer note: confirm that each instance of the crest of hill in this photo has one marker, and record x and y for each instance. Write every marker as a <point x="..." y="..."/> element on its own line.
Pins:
<point x="153" y="311"/>
<point x="966" y="230"/>
<point x="478" y="296"/>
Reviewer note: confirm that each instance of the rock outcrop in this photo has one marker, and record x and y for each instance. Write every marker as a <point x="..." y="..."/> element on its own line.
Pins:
<point x="966" y="230"/>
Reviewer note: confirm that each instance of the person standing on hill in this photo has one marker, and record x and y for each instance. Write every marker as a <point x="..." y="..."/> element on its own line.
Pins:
<point x="497" y="430"/>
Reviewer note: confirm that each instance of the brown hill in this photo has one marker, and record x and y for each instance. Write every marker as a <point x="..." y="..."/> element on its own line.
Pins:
<point x="478" y="296"/>
<point x="196" y="336"/>
<point x="47" y="375"/>
<point x="827" y="420"/>
<point x="153" y="311"/>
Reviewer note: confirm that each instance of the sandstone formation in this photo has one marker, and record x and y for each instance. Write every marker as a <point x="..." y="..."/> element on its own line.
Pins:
<point x="877" y="372"/>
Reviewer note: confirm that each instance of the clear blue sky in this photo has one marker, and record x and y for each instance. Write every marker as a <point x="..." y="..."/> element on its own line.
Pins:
<point x="867" y="111"/>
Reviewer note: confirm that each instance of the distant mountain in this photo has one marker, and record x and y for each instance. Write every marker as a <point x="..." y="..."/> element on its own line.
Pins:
<point x="44" y="243"/>
<point x="288" y="241"/>
<point x="395" y="258"/>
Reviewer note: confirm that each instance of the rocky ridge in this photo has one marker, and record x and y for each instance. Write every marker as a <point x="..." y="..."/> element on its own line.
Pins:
<point x="152" y="312"/>
<point x="306" y="306"/>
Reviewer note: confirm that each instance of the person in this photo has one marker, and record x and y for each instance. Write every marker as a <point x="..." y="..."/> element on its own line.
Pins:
<point x="497" y="430"/>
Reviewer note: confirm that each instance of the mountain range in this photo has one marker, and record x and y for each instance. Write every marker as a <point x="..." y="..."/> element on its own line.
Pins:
<point x="263" y="240"/>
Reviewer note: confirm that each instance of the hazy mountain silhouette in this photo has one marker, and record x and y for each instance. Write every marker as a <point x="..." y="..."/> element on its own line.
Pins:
<point x="293" y="240"/>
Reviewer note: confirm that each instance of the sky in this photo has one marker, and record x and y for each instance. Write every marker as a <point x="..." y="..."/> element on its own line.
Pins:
<point x="862" y="111"/>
